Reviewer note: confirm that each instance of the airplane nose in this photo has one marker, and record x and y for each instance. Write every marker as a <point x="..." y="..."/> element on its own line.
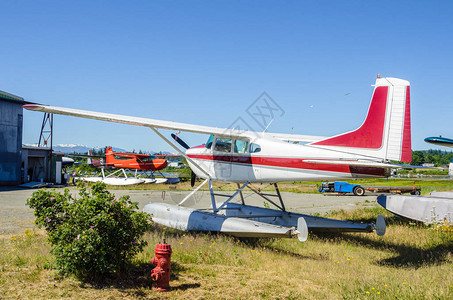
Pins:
<point x="162" y="163"/>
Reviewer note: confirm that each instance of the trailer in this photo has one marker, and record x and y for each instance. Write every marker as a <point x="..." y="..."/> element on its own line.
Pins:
<point x="341" y="187"/>
<point x="395" y="189"/>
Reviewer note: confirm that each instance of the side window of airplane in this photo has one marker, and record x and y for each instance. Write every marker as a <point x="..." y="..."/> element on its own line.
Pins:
<point x="223" y="145"/>
<point x="241" y="146"/>
<point x="209" y="142"/>
<point x="121" y="157"/>
<point x="148" y="159"/>
<point x="254" y="148"/>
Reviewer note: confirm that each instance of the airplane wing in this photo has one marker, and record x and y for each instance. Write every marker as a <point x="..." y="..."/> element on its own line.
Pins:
<point x="86" y="155"/>
<point x="152" y="123"/>
<point x="359" y="163"/>
<point x="130" y="155"/>
<point x="441" y="141"/>
<point x="166" y="124"/>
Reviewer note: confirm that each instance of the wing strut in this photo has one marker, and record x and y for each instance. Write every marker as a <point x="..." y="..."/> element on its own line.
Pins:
<point x="191" y="193"/>
<point x="179" y="151"/>
<point x="231" y="198"/>
<point x="265" y="196"/>
<point x="242" y="196"/>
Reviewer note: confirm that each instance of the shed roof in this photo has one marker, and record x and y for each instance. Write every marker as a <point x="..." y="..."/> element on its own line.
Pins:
<point x="4" y="96"/>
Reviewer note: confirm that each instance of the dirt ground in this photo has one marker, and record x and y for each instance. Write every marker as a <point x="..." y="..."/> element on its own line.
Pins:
<point x="16" y="216"/>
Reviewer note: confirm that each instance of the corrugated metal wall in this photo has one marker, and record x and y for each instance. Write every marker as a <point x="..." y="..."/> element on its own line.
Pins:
<point x="11" y="115"/>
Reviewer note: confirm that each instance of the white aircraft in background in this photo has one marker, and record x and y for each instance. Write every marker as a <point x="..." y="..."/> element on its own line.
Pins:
<point x="246" y="157"/>
<point x="441" y="141"/>
<point x="434" y="209"/>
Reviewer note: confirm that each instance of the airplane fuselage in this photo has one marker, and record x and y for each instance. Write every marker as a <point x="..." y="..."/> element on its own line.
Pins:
<point x="155" y="165"/>
<point x="270" y="160"/>
<point x="134" y="161"/>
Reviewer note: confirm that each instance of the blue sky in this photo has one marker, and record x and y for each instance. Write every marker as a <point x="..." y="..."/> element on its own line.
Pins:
<point x="205" y="62"/>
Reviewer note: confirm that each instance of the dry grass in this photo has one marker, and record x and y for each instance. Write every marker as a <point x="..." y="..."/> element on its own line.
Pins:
<point x="409" y="262"/>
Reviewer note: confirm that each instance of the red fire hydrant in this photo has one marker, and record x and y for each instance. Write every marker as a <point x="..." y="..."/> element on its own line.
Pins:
<point x="161" y="273"/>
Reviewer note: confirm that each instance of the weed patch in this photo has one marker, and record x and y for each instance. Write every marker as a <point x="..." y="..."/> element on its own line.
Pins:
<point x="411" y="261"/>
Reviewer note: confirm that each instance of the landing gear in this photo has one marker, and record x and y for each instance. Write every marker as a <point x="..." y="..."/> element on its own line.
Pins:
<point x="243" y="220"/>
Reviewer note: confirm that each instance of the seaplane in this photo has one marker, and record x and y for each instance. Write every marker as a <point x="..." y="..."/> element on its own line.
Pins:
<point x="442" y="141"/>
<point x="247" y="157"/>
<point x="122" y="161"/>
<point x="434" y="209"/>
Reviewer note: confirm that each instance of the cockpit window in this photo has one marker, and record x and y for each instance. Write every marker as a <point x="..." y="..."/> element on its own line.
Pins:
<point x="147" y="159"/>
<point x="223" y="145"/>
<point x="254" y="148"/>
<point x="209" y="142"/>
<point x="241" y="146"/>
<point x="122" y="157"/>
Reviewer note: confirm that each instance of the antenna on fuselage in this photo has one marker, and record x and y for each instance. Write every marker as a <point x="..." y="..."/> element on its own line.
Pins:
<point x="268" y="125"/>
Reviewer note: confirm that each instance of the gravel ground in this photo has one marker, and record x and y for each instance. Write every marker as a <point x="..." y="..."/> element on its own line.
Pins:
<point x="16" y="216"/>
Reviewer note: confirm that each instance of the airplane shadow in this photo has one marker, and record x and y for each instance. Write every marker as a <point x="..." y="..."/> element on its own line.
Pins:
<point x="407" y="256"/>
<point x="317" y="257"/>
<point x="249" y="242"/>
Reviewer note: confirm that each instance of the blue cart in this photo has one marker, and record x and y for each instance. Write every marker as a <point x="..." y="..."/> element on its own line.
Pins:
<point x="341" y="187"/>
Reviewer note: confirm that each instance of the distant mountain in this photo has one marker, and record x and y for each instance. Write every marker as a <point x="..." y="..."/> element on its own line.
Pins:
<point x="82" y="149"/>
<point x="161" y="153"/>
<point x="71" y="148"/>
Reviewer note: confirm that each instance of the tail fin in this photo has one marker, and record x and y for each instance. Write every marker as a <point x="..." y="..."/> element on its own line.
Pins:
<point x="109" y="159"/>
<point x="386" y="131"/>
<point x="89" y="160"/>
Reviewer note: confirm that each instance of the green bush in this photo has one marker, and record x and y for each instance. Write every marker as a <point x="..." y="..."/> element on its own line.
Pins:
<point x="92" y="235"/>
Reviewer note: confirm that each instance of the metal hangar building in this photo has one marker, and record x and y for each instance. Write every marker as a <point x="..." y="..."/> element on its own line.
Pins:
<point x="11" y="123"/>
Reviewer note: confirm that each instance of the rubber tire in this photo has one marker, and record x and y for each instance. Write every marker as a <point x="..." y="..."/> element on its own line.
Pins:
<point x="417" y="193"/>
<point x="359" y="191"/>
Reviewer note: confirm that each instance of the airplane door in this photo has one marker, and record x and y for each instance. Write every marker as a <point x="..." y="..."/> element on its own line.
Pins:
<point x="254" y="149"/>
<point x="241" y="161"/>
<point x="222" y="158"/>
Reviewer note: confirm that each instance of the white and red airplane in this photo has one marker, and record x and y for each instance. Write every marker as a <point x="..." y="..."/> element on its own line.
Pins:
<point x="246" y="157"/>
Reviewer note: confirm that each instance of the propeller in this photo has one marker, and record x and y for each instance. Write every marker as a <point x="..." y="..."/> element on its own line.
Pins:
<point x="193" y="177"/>
<point x="183" y="144"/>
<point x="179" y="141"/>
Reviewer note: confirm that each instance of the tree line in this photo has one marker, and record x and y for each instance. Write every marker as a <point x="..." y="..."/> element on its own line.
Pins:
<point x="437" y="157"/>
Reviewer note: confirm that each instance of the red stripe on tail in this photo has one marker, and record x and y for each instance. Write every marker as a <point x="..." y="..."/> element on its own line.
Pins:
<point x="406" y="149"/>
<point x="370" y="134"/>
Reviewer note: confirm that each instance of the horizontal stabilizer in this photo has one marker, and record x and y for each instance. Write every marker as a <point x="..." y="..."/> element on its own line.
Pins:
<point x="369" y="164"/>
<point x="296" y="138"/>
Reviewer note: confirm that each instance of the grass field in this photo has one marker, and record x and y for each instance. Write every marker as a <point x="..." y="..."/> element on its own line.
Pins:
<point x="409" y="262"/>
